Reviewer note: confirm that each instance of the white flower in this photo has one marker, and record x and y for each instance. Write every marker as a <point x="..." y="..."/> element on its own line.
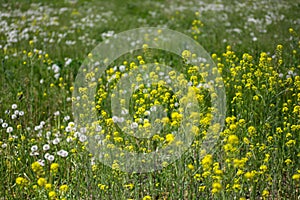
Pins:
<point x="68" y="62"/>
<point x="67" y="118"/>
<point x="55" y="68"/>
<point x="134" y="125"/>
<point x="115" y="119"/>
<point x="34" y="153"/>
<point x="41" y="162"/>
<point x="34" y="148"/>
<point x="68" y="129"/>
<point x="56" y="141"/>
<point x="147" y="113"/>
<point x="46" y="155"/>
<point x="36" y="128"/>
<point x="57" y="134"/>
<point x="56" y="76"/>
<point x="77" y="134"/>
<point x="62" y="153"/>
<point x="14" y="136"/>
<point x="1" y="121"/>
<point x="121" y="119"/>
<point x="122" y="68"/>
<point x="16" y="112"/>
<point x="280" y="75"/>
<point x="14" y="106"/>
<point x="4" y="145"/>
<point x="56" y="113"/>
<point x="49" y="157"/>
<point x="21" y="113"/>
<point x="98" y="128"/>
<point x="9" y="129"/>
<point x="69" y="139"/>
<point x="83" y="130"/>
<point x="153" y="109"/>
<point x="124" y="111"/>
<point x="13" y="116"/>
<point x="4" y="125"/>
<point x="39" y="134"/>
<point x="46" y="147"/>
<point x="82" y="138"/>
<point x="48" y="134"/>
<point x="42" y="123"/>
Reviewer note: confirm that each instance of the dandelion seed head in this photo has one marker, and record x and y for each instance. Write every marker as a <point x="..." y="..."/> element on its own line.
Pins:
<point x="46" y="147"/>
<point x="34" y="148"/>
<point x="14" y="106"/>
<point x="9" y="129"/>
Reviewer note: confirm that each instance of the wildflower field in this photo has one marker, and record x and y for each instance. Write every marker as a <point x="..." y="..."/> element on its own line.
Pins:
<point x="245" y="102"/>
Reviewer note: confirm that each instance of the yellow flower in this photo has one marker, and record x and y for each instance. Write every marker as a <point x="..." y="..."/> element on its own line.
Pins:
<point x="246" y="140"/>
<point x="249" y="175"/>
<point x="42" y="182"/>
<point x="147" y="198"/>
<point x="279" y="47"/>
<point x="54" y="167"/>
<point x="186" y="54"/>
<point x="216" y="187"/>
<point x="48" y="186"/>
<point x="265" y="193"/>
<point x="288" y="161"/>
<point x="191" y="166"/>
<point x="236" y="186"/>
<point x="207" y="161"/>
<point x="263" y="168"/>
<point x="296" y="177"/>
<point x="52" y="195"/>
<point x="36" y="167"/>
<point x="201" y="188"/>
<point x="102" y="187"/>
<point x="63" y="188"/>
<point x="129" y="186"/>
<point x="252" y="130"/>
<point x="233" y="139"/>
<point x="169" y="138"/>
<point x="21" y="181"/>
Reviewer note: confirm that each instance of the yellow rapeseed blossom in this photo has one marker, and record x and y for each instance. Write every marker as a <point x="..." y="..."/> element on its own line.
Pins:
<point x="296" y="177"/>
<point x="207" y="161"/>
<point x="42" y="182"/>
<point x="170" y="138"/>
<point x="216" y="187"/>
<point x="191" y="166"/>
<point x="21" y="181"/>
<point x="63" y="188"/>
<point x="147" y="197"/>
<point x="37" y="167"/>
<point x="233" y="139"/>
<point x="52" y="194"/>
<point x="54" y="167"/>
<point x="249" y="175"/>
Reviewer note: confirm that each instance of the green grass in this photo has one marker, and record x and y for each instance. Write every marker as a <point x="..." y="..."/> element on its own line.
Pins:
<point x="262" y="99"/>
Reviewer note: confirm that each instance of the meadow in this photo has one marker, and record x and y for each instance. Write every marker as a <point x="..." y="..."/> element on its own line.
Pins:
<point x="44" y="153"/>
